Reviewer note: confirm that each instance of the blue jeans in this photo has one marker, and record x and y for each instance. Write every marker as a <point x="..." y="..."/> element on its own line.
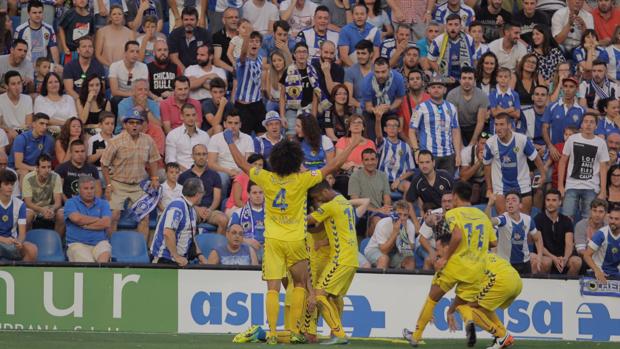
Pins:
<point x="577" y="200"/>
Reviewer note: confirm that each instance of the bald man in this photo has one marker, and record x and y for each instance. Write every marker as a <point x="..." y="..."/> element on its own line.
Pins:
<point x="613" y="145"/>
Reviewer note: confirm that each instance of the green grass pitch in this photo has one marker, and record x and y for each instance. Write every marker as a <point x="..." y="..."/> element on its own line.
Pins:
<point x="71" y="340"/>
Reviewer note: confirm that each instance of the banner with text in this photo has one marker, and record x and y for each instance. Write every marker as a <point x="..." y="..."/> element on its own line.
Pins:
<point x="88" y="299"/>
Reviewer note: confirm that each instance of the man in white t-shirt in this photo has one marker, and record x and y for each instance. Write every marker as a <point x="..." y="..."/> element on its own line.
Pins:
<point x="181" y="140"/>
<point x="393" y="241"/>
<point x="298" y="13"/>
<point x="509" y="49"/>
<point x="125" y="72"/>
<point x="569" y="23"/>
<point x="586" y="176"/>
<point x="220" y="159"/>
<point x="15" y="107"/>
<point x="200" y="74"/>
<point x="262" y="14"/>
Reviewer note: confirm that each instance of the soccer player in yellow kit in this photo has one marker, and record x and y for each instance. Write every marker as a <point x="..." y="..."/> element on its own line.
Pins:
<point x="338" y="217"/>
<point x="286" y="190"/>
<point x="500" y="287"/>
<point x="463" y="264"/>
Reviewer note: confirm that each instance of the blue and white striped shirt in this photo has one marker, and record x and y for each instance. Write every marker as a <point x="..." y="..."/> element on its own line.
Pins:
<point x="580" y="55"/>
<point x="179" y="216"/>
<point x="249" y="80"/>
<point x="507" y="99"/>
<point x="607" y="251"/>
<point x="395" y="159"/>
<point x="466" y="13"/>
<point x="39" y="40"/>
<point x="613" y="67"/>
<point x="311" y="38"/>
<point x="435" y="123"/>
<point x="509" y="169"/>
<point x="512" y="237"/>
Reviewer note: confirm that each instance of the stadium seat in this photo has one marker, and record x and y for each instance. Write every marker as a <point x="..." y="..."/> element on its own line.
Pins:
<point x="127" y="221"/>
<point x="48" y="243"/>
<point x="363" y="245"/>
<point x="208" y="241"/>
<point x="396" y="195"/>
<point x="206" y="228"/>
<point x="129" y="247"/>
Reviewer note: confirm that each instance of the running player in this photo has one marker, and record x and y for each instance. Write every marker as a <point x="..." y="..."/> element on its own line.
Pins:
<point x="338" y="218"/>
<point x="501" y="286"/>
<point x="462" y="265"/>
<point x="286" y="190"/>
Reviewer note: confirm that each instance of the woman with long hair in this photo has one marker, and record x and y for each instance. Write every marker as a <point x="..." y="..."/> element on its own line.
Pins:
<point x="92" y="101"/>
<point x="334" y="120"/>
<point x="546" y="50"/>
<point x="6" y="33"/>
<point x="54" y="102"/>
<point x="378" y="17"/>
<point x="588" y="51"/>
<point x="318" y="149"/>
<point x="110" y="40"/>
<point x="72" y="130"/>
<point x="526" y="78"/>
<point x="271" y="77"/>
<point x="486" y="72"/>
<point x="613" y="186"/>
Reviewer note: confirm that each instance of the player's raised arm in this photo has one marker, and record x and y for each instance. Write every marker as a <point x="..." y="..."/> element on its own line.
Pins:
<point x="341" y="158"/>
<point x="236" y="154"/>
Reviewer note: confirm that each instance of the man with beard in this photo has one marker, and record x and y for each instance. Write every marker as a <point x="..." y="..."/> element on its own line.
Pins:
<point x="329" y="72"/>
<point x="411" y="61"/>
<point x="201" y="74"/>
<point x="383" y="90"/>
<point x="221" y="39"/>
<point x="171" y="113"/>
<point x="354" y="75"/>
<point x="606" y="20"/>
<point x="16" y="60"/>
<point x="162" y="71"/>
<point x="602" y="252"/>
<point x="351" y="34"/>
<point x="185" y="40"/>
<point x="509" y="49"/>
<point x="416" y="94"/>
<point x="394" y="48"/>
<point x="451" y="51"/>
<point x="76" y="167"/>
<point x="76" y="71"/>
<point x="316" y="35"/>
<point x="472" y="105"/>
<point x="599" y="87"/>
<point x="613" y="145"/>
<point x="492" y="17"/>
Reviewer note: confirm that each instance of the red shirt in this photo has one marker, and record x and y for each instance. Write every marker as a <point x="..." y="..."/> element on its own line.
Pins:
<point x="605" y="28"/>
<point x="407" y="106"/>
<point x="171" y="112"/>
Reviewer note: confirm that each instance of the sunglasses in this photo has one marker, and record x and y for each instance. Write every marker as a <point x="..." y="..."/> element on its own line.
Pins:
<point x="129" y="78"/>
<point x="485" y="135"/>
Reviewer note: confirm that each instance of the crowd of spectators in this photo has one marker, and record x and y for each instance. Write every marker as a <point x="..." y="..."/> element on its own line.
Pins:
<point x="110" y="107"/>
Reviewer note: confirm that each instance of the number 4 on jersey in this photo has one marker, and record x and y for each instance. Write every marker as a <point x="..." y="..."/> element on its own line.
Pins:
<point x="280" y="200"/>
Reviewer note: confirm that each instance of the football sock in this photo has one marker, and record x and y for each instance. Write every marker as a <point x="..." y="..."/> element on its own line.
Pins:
<point x="499" y="326"/>
<point x="466" y="312"/>
<point x="482" y="320"/>
<point x="330" y="314"/>
<point x="425" y="317"/>
<point x="272" y="303"/>
<point x="298" y="300"/>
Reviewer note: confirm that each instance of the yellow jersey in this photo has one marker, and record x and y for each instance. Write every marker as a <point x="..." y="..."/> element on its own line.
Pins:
<point x="477" y="231"/>
<point x="285" y="202"/>
<point x="338" y="217"/>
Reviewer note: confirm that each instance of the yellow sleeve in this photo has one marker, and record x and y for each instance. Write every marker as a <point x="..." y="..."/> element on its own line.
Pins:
<point x="452" y="220"/>
<point x="259" y="176"/>
<point x="309" y="179"/>
<point x="323" y="212"/>
<point x="492" y="235"/>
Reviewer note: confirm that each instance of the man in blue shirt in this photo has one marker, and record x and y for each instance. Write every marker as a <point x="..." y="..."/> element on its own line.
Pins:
<point x="88" y="218"/>
<point x="13" y="223"/>
<point x="355" y="74"/>
<point x="279" y="40"/>
<point x="176" y="228"/>
<point x="561" y="114"/>
<point x="355" y="32"/>
<point x="29" y="145"/>
<point x="383" y="94"/>
<point x="140" y="98"/>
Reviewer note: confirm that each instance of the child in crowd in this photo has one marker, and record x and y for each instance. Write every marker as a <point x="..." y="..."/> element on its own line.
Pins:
<point x="503" y="99"/>
<point x="170" y="189"/>
<point x="147" y="40"/>
<point x="41" y="68"/>
<point x="98" y="142"/>
<point x="234" y="49"/>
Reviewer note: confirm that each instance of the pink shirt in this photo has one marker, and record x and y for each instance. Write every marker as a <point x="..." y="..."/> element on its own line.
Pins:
<point x="243" y="180"/>
<point x="171" y="112"/>
<point x="356" y="154"/>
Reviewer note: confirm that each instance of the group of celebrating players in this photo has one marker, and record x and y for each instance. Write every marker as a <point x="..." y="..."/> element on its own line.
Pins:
<point x="318" y="268"/>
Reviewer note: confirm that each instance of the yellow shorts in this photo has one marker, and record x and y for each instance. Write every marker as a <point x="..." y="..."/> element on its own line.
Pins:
<point x="449" y="277"/>
<point x="318" y="261"/>
<point x="499" y="291"/>
<point x="336" y="279"/>
<point x="280" y="256"/>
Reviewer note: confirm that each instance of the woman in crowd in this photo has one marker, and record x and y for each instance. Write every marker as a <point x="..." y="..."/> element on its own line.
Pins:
<point x="356" y="127"/>
<point x="54" y="102"/>
<point x="72" y="130"/>
<point x="110" y="40"/>
<point x="588" y="52"/>
<point x="486" y="72"/>
<point x="613" y="186"/>
<point x="318" y="149"/>
<point x="546" y="50"/>
<point x="378" y="17"/>
<point x="526" y="78"/>
<point x="334" y="120"/>
<point x="92" y="101"/>
<point x="609" y="122"/>
<point x="6" y="33"/>
<point x="239" y="189"/>
<point x="271" y="78"/>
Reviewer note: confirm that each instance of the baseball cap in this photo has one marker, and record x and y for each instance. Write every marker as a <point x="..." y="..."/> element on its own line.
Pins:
<point x="134" y="114"/>
<point x="436" y="80"/>
<point x="271" y="116"/>
<point x="571" y="78"/>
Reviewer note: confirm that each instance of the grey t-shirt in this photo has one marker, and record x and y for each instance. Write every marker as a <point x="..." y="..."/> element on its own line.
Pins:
<point x="581" y="234"/>
<point x="372" y="187"/>
<point x="26" y="70"/>
<point x="468" y="110"/>
<point x="337" y="15"/>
